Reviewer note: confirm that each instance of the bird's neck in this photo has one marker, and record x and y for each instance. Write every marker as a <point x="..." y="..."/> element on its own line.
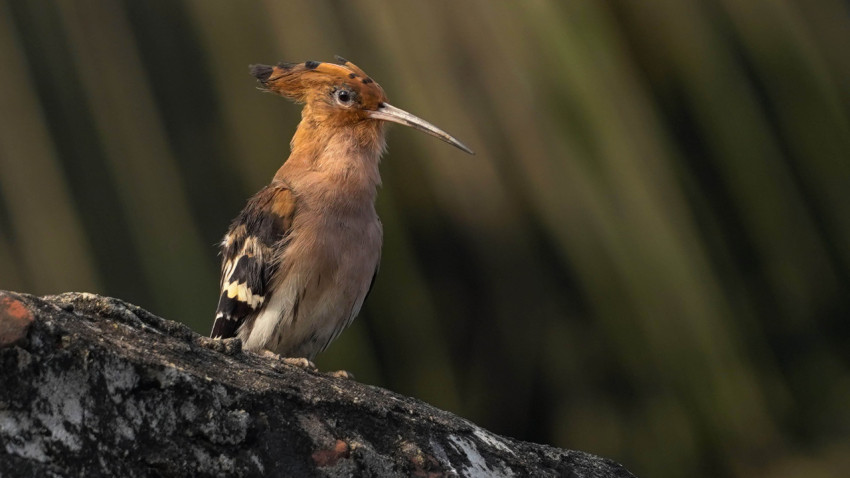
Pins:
<point x="335" y="159"/>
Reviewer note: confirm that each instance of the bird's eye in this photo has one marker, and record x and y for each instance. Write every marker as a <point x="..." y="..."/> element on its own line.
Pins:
<point x="343" y="96"/>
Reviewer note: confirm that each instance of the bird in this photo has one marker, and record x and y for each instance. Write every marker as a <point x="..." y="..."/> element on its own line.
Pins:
<point x="301" y="257"/>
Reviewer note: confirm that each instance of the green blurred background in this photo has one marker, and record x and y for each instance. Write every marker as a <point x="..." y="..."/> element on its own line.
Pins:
<point x="648" y="259"/>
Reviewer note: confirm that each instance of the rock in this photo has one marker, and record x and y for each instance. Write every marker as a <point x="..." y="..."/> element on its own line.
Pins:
<point x="93" y="386"/>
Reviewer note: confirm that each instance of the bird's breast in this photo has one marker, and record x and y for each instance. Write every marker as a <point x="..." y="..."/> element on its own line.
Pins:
<point x="326" y="270"/>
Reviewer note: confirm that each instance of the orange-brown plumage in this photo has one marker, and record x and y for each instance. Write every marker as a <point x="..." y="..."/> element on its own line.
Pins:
<point x="299" y="260"/>
<point x="306" y="83"/>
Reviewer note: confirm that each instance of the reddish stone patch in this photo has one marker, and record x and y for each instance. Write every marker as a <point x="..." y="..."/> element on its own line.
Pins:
<point x="15" y="320"/>
<point x="331" y="456"/>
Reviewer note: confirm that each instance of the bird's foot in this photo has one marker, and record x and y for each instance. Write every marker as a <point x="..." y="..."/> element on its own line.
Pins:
<point x="341" y="374"/>
<point x="299" y="362"/>
<point x="304" y="363"/>
<point x="231" y="346"/>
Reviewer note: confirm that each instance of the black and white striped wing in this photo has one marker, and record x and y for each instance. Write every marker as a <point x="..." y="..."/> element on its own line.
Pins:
<point x="250" y="255"/>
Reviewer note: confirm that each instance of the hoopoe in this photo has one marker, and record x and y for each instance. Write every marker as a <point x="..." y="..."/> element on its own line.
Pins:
<point x="300" y="259"/>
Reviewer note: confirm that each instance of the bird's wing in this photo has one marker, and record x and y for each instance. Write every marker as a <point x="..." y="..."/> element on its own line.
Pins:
<point x="250" y="257"/>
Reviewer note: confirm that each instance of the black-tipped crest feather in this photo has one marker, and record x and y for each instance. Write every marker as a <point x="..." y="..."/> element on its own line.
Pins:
<point x="261" y="72"/>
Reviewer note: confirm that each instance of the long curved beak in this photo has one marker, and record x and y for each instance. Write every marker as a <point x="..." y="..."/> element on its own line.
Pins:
<point x="388" y="112"/>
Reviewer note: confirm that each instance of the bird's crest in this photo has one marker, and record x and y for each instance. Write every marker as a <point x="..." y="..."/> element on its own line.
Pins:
<point x="313" y="79"/>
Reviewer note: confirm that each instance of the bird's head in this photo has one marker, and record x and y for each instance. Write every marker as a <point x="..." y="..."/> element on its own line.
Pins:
<point x="340" y="93"/>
